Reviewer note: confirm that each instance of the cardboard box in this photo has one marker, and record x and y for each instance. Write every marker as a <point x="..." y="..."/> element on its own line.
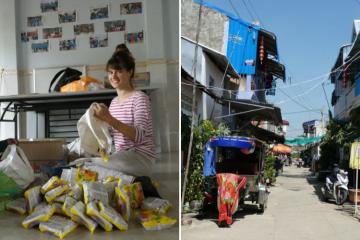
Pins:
<point x="49" y="149"/>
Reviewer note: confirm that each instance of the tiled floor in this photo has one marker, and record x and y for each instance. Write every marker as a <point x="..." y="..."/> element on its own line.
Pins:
<point x="166" y="173"/>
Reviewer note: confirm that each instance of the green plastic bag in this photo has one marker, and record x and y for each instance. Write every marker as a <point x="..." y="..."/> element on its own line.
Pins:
<point x="8" y="190"/>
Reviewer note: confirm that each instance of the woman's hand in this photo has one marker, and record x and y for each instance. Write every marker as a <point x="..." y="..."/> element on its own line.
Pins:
<point x="101" y="111"/>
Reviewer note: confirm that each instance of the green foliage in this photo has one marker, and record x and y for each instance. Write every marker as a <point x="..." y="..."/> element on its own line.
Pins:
<point x="269" y="170"/>
<point x="202" y="133"/>
<point x="339" y="135"/>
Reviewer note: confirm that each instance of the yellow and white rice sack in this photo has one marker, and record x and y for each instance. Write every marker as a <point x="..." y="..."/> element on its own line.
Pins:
<point x="54" y="193"/>
<point x="113" y="216"/>
<point x="32" y="198"/>
<point x="59" y="226"/>
<point x="156" y="204"/>
<point x="52" y="183"/>
<point x="36" y="217"/>
<point x="153" y="221"/>
<point x="78" y="215"/>
<point x="122" y="203"/>
<point x="95" y="191"/>
<point x="68" y="204"/>
<point x="93" y="211"/>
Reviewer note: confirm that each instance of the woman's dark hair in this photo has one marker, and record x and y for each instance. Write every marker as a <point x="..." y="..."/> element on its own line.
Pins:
<point x="122" y="59"/>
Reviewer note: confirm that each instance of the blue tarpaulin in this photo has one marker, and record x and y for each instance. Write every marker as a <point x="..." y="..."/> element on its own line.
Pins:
<point x="241" y="46"/>
<point x="234" y="141"/>
<point x="226" y="7"/>
<point x="242" y="37"/>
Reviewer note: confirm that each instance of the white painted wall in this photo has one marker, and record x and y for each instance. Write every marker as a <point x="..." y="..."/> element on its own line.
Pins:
<point x="8" y="60"/>
<point x="158" y="54"/>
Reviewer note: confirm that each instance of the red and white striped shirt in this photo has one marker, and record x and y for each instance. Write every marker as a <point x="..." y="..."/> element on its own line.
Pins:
<point x="136" y="112"/>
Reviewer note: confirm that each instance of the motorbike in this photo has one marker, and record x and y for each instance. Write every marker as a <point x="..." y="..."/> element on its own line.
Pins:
<point x="338" y="189"/>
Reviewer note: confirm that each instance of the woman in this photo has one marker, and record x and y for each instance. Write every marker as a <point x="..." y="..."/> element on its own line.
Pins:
<point x="129" y="116"/>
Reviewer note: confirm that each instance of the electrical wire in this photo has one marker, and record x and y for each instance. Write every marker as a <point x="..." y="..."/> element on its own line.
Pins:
<point x="253" y="18"/>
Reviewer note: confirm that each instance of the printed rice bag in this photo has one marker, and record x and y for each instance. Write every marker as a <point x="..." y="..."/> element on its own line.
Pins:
<point x="68" y="204"/>
<point x="93" y="212"/>
<point x="110" y="188"/>
<point x="58" y="208"/>
<point x="153" y="221"/>
<point x="125" y="180"/>
<point x="52" y="183"/>
<point x="122" y="203"/>
<point x="76" y="191"/>
<point x="157" y="204"/>
<point x="110" y="179"/>
<point x="52" y="194"/>
<point x="135" y="194"/>
<point x="40" y="206"/>
<point x="32" y="198"/>
<point x="36" y="217"/>
<point x="69" y="175"/>
<point x="61" y="198"/>
<point x="113" y="216"/>
<point x="18" y="205"/>
<point x="95" y="191"/>
<point x="78" y="215"/>
<point x="85" y="175"/>
<point x="59" y="226"/>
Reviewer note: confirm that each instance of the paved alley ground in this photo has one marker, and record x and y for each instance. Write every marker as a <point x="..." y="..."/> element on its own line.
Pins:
<point x="295" y="211"/>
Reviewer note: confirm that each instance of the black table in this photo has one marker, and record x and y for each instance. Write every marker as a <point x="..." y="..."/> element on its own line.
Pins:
<point x="44" y="102"/>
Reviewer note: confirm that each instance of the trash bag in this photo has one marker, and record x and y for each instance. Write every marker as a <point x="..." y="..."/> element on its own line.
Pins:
<point x="94" y="135"/>
<point x="15" y="165"/>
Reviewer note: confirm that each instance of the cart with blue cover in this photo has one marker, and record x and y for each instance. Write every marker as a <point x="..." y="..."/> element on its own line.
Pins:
<point x="234" y="173"/>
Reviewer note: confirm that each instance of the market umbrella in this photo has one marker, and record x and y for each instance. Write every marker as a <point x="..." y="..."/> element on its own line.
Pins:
<point x="281" y="148"/>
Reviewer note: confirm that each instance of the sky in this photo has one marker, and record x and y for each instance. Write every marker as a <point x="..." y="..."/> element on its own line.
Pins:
<point x="309" y="36"/>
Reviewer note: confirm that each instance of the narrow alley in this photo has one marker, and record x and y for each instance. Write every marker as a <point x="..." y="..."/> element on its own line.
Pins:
<point x="295" y="211"/>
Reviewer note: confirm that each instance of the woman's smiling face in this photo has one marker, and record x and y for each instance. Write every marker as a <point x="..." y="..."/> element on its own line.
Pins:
<point x="119" y="79"/>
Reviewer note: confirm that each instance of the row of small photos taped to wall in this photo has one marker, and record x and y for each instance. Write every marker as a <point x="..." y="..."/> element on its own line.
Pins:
<point x="95" y="40"/>
<point x="102" y="11"/>
<point x="56" y="32"/>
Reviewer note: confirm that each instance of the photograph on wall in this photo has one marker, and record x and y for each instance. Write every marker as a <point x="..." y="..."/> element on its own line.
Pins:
<point x="33" y="35"/>
<point x="24" y="37"/>
<point x="114" y="26"/>
<point x="49" y="5"/>
<point x="131" y="8"/>
<point x="98" y="40"/>
<point x="52" y="32"/>
<point x="83" y="28"/>
<point x="34" y="21"/>
<point x="68" y="44"/>
<point x="40" y="47"/>
<point x="136" y="37"/>
<point x="99" y="12"/>
<point x="67" y="17"/>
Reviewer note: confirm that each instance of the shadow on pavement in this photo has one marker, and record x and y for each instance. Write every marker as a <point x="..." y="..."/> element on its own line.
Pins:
<point x="312" y="180"/>
<point x="212" y="213"/>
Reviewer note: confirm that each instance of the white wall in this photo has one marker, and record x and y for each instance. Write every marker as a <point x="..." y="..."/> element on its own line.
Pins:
<point x="8" y="60"/>
<point x="158" y="54"/>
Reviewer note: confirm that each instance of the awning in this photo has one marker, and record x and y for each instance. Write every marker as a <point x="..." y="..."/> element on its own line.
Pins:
<point x="303" y="140"/>
<point x="275" y="68"/>
<point x="265" y="135"/>
<point x="254" y="110"/>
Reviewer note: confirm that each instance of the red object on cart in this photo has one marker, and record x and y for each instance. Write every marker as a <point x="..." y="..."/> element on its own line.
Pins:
<point x="229" y="186"/>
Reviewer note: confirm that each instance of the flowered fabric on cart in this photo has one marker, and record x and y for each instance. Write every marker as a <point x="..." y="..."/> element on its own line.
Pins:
<point x="229" y="186"/>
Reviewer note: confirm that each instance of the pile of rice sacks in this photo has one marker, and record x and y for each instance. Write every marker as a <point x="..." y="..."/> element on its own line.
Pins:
<point x="78" y="197"/>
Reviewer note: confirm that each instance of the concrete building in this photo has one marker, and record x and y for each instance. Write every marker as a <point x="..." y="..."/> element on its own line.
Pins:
<point x="346" y="76"/>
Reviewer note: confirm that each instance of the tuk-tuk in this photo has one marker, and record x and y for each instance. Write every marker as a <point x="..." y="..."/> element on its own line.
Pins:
<point x="236" y="156"/>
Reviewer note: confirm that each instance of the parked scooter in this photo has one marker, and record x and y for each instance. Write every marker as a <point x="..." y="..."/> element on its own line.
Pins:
<point x="337" y="189"/>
